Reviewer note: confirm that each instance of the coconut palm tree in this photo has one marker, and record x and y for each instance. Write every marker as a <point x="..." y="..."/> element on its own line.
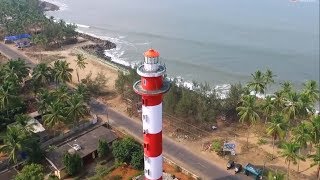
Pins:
<point x="316" y="161"/>
<point x="257" y="84"/>
<point x="311" y="89"/>
<point x="76" y="109"/>
<point x="22" y="119"/>
<point x="269" y="78"/>
<point x="314" y="130"/>
<point x="292" y="105"/>
<point x="278" y="101"/>
<point x="82" y="90"/>
<point x="290" y="153"/>
<point x="248" y="111"/>
<point x="44" y="99"/>
<point x="268" y="107"/>
<point x="13" y="142"/>
<point x="301" y="136"/>
<point x="18" y="68"/>
<point x="306" y="106"/>
<point x="286" y="88"/>
<point x="7" y="95"/>
<point x="62" y="72"/>
<point x="55" y="114"/>
<point x="62" y="94"/>
<point x="42" y="74"/>
<point x="81" y="64"/>
<point x="276" y="128"/>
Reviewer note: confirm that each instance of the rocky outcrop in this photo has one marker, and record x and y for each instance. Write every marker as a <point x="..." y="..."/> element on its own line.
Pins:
<point x="46" y="6"/>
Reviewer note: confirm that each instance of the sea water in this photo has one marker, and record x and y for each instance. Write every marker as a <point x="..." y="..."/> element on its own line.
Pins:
<point x="216" y="41"/>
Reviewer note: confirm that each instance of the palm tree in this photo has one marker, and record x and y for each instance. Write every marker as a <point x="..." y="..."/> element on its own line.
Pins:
<point x="275" y="175"/>
<point x="314" y="130"/>
<point x="306" y="106"/>
<point x="18" y="68"/>
<point x="268" y="77"/>
<point x="301" y="136"/>
<point x="82" y="90"/>
<point x="44" y="99"/>
<point x="290" y="153"/>
<point x="268" y="107"/>
<point x="81" y="64"/>
<point x="311" y="89"/>
<point x="278" y="101"/>
<point x="13" y="142"/>
<point x="257" y="84"/>
<point x="316" y="161"/>
<point x="22" y="119"/>
<point x="7" y="95"/>
<point x="248" y="112"/>
<point x="55" y="114"/>
<point x="286" y="88"/>
<point x="42" y="74"/>
<point x="62" y="94"/>
<point x="62" y="72"/>
<point x="292" y="105"/>
<point x="276" y="128"/>
<point x="76" y="108"/>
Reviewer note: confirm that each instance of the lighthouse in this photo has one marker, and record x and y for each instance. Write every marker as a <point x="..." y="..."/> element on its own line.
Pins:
<point x="151" y="87"/>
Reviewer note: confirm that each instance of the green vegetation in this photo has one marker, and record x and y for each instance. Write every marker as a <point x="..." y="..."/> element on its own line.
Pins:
<point x="72" y="162"/>
<point x="316" y="160"/>
<point x="288" y="114"/>
<point x="17" y="140"/>
<point x="198" y="106"/>
<point x="129" y="151"/>
<point x="290" y="153"/>
<point x="216" y="145"/>
<point x="275" y="175"/>
<point x="97" y="85"/>
<point x="58" y="106"/>
<point x="32" y="171"/>
<point x="103" y="148"/>
<point x="81" y="64"/>
<point x="26" y="16"/>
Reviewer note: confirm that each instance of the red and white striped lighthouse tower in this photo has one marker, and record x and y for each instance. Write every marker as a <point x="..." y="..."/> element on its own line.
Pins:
<point x="151" y="87"/>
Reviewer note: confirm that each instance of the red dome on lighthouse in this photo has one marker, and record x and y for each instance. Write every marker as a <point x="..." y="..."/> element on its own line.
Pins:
<point x="151" y="53"/>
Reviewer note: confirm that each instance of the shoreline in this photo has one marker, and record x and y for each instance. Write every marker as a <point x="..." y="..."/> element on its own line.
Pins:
<point x="101" y="45"/>
<point x="48" y="6"/>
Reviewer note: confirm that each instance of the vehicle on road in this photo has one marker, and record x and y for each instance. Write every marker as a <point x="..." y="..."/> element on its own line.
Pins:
<point x="237" y="168"/>
<point x="230" y="165"/>
<point x="250" y="169"/>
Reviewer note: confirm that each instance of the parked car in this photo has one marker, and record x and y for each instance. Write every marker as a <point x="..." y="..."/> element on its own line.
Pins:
<point x="230" y="165"/>
<point x="250" y="169"/>
<point x="237" y="168"/>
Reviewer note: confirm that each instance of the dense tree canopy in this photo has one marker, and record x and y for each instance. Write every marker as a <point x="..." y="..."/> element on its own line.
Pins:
<point x="26" y="16"/>
<point x="31" y="172"/>
<point x="72" y="162"/>
<point x="126" y="150"/>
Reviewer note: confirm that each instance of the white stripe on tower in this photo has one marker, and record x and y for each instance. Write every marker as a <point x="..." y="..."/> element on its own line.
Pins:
<point x="153" y="123"/>
<point x="154" y="164"/>
<point x="152" y="126"/>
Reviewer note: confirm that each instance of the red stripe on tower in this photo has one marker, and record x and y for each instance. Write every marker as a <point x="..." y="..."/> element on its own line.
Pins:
<point x="151" y="87"/>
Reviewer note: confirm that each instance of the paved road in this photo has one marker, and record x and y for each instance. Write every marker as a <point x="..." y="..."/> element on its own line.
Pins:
<point x="205" y="169"/>
<point x="8" y="52"/>
<point x="172" y="150"/>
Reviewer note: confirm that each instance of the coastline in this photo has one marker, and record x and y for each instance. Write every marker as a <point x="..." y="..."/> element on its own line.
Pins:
<point x="48" y="6"/>
<point x="101" y="45"/>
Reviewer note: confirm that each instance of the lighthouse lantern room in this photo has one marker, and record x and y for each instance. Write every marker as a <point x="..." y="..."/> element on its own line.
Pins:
<point x="151" y="87"/>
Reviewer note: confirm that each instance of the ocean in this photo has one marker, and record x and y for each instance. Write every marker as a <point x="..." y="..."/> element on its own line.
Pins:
<point x="215" y="41"/>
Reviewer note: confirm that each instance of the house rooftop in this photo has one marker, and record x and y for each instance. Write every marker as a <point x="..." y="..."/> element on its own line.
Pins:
<point x="88" y="143"/>
<point x="35" y="126"/>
